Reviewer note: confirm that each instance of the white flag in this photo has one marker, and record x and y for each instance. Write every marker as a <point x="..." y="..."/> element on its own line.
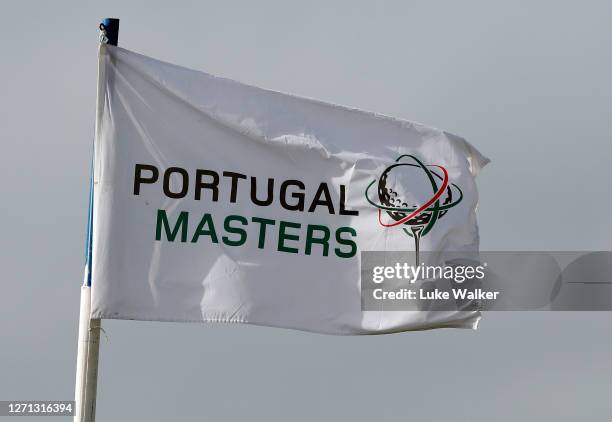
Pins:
<point x="219" y="201"/>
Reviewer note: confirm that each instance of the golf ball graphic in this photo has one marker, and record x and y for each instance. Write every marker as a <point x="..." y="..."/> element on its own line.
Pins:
<point x="413" y="196"/>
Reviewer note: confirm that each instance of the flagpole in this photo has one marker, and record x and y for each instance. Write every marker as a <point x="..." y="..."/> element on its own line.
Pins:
<point x="89" y="328"/>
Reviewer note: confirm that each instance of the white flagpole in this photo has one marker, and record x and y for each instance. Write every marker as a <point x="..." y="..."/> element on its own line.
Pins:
<point x="89" y="329"/>
<point x="87" y="361"/>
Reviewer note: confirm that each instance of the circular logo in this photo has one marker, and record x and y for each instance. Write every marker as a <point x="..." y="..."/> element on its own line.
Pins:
<point x="413" y="195"/>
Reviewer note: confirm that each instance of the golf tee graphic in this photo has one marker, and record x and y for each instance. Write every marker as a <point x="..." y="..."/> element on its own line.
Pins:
<point x="415" y="195"/>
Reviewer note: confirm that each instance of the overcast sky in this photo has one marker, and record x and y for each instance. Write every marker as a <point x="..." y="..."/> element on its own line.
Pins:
<point x="528" y="83"/>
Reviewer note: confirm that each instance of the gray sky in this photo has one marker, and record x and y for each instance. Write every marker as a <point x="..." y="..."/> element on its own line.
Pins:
<point x="528" y="83"/>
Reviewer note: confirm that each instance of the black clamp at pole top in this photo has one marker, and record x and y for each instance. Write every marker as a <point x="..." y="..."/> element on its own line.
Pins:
<point x="110" y="28"/>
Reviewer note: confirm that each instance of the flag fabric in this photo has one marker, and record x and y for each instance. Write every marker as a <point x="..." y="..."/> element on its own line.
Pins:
<point x="216" y="201"/>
